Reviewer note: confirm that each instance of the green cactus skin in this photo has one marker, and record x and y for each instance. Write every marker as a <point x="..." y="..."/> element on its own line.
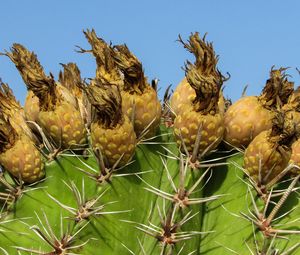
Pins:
<point x="128" y="193"/>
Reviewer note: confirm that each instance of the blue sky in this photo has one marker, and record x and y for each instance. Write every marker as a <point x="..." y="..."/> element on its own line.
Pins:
<point x="249" y="36"/>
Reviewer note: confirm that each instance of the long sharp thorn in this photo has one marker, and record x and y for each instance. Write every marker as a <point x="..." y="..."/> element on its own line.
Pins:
<point x="131" y="252"/>
<point x="291" y="249"/>
<point x="68" y="208"/>
<point x="183" y="144"/>
<point x="169" y="175"/>
<point x="253" y="203"/>
<point x="196" y="145"/>
<point x="141" y="246"/>
<point x="282" y="200"/>
<point x="117" y="163"/>
<point x="197" y="183"/>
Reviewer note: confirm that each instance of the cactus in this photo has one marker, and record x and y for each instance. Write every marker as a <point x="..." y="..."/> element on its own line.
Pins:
<point x="158" y="200"/>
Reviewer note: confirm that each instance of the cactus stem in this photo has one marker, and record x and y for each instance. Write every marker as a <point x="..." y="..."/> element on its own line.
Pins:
<point x="229" y="249"/>
<point x="4" y="251"/>
<point x="104" y="174"/>
<point x="131" y="252"/>
<point x="62" y="245"/>
<point x="263" y="223"/>
<point x="85" y="208"/>
<point x="142" y="248"/>
<point x="248" y="247"/>
<point x="167" y="233"/>
<point x="181" y="196"/>
<point x="291" y="249"/>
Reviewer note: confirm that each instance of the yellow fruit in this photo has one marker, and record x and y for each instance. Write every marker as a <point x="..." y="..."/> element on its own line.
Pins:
<point x="120" y="67"/>
<point x="18" y="154"/>
<point x="270" y="151"/>
<point x="184" y="93"/>
<point x="244" y="120"/>
<point x="295" y="157"/>
<point x="137" y="93"/>
<point x="267" y="154"/>
<point x="115" y="142"/>
<point x="147" y="110"/>
<point x="201" y="111"/>
<point x="57" y="116"/>
<point x="23" y="160"/>
<point x="64" y="125"/>
<point x="31" y="107"/>
<point x="71" y="90"/>
<point x="111" y="132"/>
<point x="187" y="123"/>
<point x="251" y="115"/>
<point x="32" y="102"/>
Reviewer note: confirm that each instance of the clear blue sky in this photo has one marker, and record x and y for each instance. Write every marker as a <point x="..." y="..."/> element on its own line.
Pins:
<point x="249" y="36"/>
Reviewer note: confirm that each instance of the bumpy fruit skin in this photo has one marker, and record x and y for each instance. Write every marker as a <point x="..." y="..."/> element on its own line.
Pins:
<point x="64" y="125"/>
<point x="263" y="152"/>
<point x="188" y="122"/>
<point x="31" y="107"/>
<point x="113" y="142"/>
<point x="184" y="94"/>
<point x="147" y="110"/>
<point x="244" y="120"/>
<point x="23" y="160"/>
<point x="295" y="157"/>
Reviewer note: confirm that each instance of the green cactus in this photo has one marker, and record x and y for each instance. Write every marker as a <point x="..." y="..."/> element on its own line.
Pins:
<point x="127" y="213"/>
<point x="165" y="200"/>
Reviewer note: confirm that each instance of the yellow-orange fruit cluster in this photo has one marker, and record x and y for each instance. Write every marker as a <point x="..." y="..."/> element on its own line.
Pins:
<point x="55" y="113"/>
<point x="251" y="115"/>
<point x="116" y="143"/>
<point x="270" y="151"/>
<point x="23" y="160"/>
<point x="111" y="132"/>
<point x="18" y="152"/>
<point x="264" y="158"/>
<point x="244" y="120"/>
<point x="137" y="93"/>
<point x="197" y="103"/>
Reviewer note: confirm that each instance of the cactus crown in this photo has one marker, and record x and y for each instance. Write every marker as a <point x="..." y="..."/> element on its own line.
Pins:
<point x="12" y="111"/>
<point x="294" y="101"/>
<point x="8" y="135"/>
<point x="70" y="78"/>
<point x="106" y="101"/>
<point x="203" y="75"/>
<point x="8" y="102"/>
<point x="284" y="131"/>
<point x="107" y="71"/>
<point x="277" y="89"/>
<point x="33" y="75"/>
<point x="134" y="78"/>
